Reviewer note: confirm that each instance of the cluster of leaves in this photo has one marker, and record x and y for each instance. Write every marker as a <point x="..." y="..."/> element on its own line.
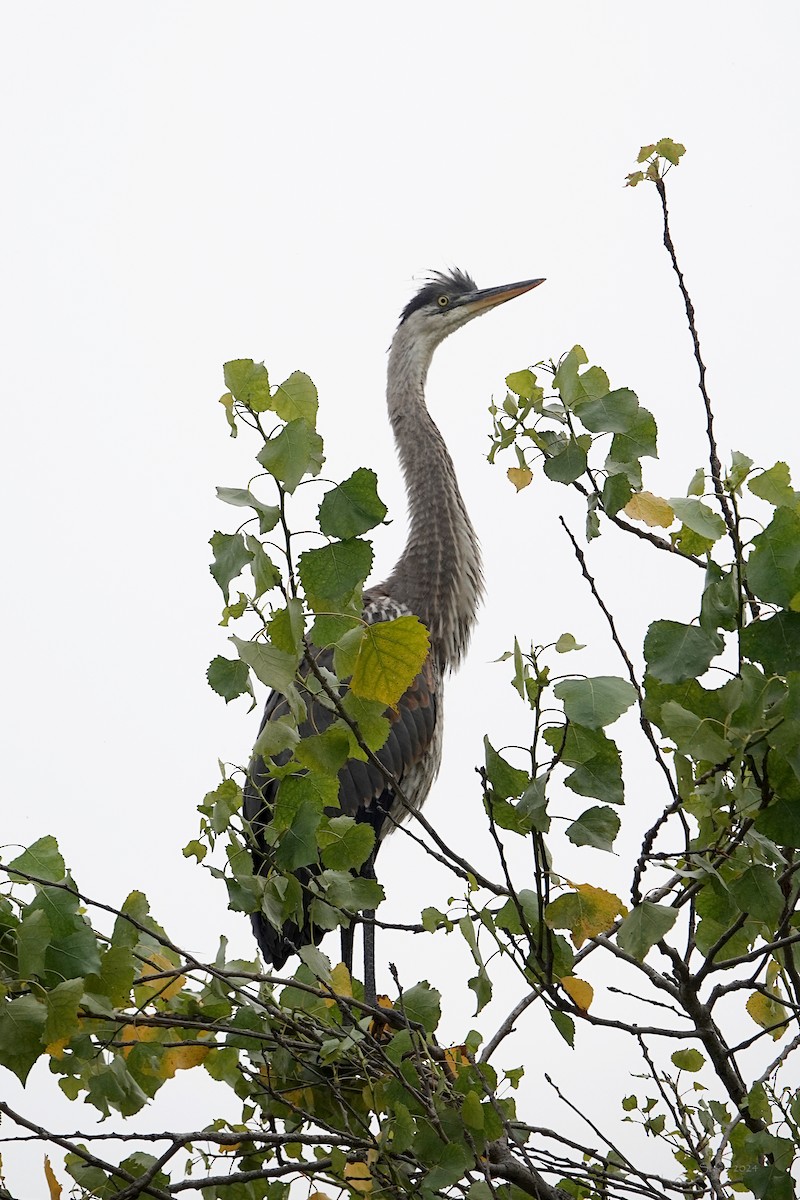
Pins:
<point x="365" y="1100"/>
<point x="310" y="636"/>
<point x="722" y="692"/>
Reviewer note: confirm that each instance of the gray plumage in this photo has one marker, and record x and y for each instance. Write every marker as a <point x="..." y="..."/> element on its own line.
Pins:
<point x="437" y="577"/>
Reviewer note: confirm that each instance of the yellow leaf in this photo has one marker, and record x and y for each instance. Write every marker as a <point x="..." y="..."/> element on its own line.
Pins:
<point x="56" y="1049"/>
<point x="137" y="1033"/>
<point x="579" y="991"/>
<point x="161" y="988"/>
<point x="319" y="1196"/>
<point x="53" y="1186"/>
<point x="520" y="476"/>
<point x="456" y="1058"/>
<point x="585" y="912"/>
<point x="390" y="656"/>
<point x="181" y="1058"/>
<point x="341" y="982"/>
<point x="767" y="1012"/>
<point x="359" y="1177"/>
<point x="230" y="1149"/>
<point x="652" y="510"/>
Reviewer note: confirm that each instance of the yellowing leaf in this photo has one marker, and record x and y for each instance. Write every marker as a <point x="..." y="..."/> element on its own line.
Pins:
<point x="341" y="983"/>
<point x="137" y="1033"/>
<point x="767" y="1012"/>
<point x="53" y="1186"/>
<point x="232" y="1148"/>
<point x="652" y="510"/>
<point x="359" y="1177"/>
<point x="579" y="991"/>
<point x="56" y="1049"/>
<point x="520" y="476"/>
<point x="390" y="656"/>
<point x="585" y="912"/>
<point x="160" y="988"/>
<point x="181" y="1058"/>
<point x="456" y="1058"/>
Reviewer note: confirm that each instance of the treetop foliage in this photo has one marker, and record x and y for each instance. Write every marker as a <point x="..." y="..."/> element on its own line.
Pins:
<point x="342" y="1097"/>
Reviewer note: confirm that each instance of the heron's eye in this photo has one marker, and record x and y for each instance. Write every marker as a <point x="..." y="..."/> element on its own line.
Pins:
<point x="443" y="301"/>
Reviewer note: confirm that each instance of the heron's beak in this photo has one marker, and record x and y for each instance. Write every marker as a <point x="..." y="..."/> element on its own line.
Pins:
<point x="487" y="298"/>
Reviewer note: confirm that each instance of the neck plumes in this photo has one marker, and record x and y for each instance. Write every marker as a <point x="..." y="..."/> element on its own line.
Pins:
<point x="438" y="575"/>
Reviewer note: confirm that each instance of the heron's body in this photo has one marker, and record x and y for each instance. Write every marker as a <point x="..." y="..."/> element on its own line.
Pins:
<point x="437" y="578"/>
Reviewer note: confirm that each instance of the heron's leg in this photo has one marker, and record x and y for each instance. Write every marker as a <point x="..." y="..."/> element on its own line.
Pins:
<point x="348" y="934"/>
<point x="368" y="921"/>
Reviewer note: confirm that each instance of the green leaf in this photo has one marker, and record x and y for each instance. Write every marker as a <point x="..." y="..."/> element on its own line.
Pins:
<point x="566" y="643"/>
<point x="775" y="642"/>
<point x="249" y="383"/>
<point x="422" y="1004"/>
<point x="324" y="752"/>
<point x="773" y="568"/>
<point x="597" y="762"/>
<point x="565" y="379"/>
<point x="227" y="403"/>
<point x="701" y="738"/>
<point x="352" y="508"/>
<point x="390" y="656"/>
<point x="757" y="894"/>
<point x="687" y="1060"/>
<point x="698" y="517"/>
<point x="673" y="152"/>
<point x="298" y="846"/>
<point x="774" y="486"/>
<point x="229" y="677"/>
<point x="523" y="383"/>
<point x="292" y="453"/>
<point x="564" y="1024"/>
<point x="265" y="574"/>
<point x="286" y="627"/>
<point x="345" y="843"/>
<point x="596" y="827"/>
<point x="268" y="514"/>
<point x="230" y="558"/>
<point x="638" y="441"/>
<point x="595" y="701"/>
<point x="697" y="484"/>
<point x="613" y="413"/>
<point x="370" y="717"/>
<point x="42" y="859"/>
<point x="62" y="1003"/>
<point x="506" y="781"/>
<point x="116" y="976"/>
<point x="616" y="493"/>
<point x="675" y="652"/>
<point x="296" y="399"/>
<point x="273" y="667"/>
<point x="278" y="734"/>
<point x="568" y="465"/>
<point x="33" y="939"/>
<point x="740" y="469"/>
<point x="22" y="1023"/>
<point x="643" y="927"/>
<point x="719" y="608"/>
<point x="332" y="575"/>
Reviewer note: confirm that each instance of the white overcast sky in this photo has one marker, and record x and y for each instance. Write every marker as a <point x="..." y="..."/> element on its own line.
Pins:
<point x="185" y="183"/>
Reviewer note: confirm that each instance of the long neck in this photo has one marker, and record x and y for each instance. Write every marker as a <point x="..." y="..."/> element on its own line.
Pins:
<point x="438" y="576"/>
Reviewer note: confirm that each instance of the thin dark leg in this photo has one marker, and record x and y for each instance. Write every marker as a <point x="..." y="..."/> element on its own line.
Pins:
<point x="370" y="994"/>
<point x="347" y="946"/>
<point x="367" y="920"/>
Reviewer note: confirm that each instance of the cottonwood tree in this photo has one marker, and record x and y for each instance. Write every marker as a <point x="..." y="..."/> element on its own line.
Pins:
<point x="338" y="1097"/>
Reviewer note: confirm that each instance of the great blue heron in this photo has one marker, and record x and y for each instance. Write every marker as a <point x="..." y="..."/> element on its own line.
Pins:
<point x="437" y="577"/>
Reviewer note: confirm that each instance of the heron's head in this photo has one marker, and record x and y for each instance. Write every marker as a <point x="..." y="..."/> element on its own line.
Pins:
<point x="446" y="302"/>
